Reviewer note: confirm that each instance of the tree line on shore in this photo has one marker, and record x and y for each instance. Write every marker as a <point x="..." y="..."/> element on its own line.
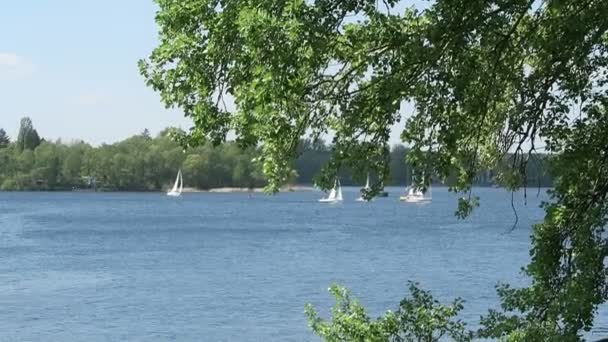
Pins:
<point x="146" y="163"/>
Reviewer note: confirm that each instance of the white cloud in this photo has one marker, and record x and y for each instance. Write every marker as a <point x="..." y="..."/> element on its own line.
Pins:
<point x="14" y="67"/>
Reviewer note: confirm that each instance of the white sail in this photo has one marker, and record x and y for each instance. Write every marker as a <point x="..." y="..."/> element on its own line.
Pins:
<point x="415" y="195"/>
<point x="367" y="187"/>
<point x="413" y="192"/>
<point x="335" y="195"/>
<point x="332" y="194"/>
<point x="178" y="186"/>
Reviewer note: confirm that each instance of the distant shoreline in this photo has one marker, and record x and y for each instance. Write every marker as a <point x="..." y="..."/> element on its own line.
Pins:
<point x="223" y="190"/>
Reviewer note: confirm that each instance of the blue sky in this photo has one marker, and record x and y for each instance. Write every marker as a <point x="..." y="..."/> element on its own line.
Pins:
<point x="71" y="66"/>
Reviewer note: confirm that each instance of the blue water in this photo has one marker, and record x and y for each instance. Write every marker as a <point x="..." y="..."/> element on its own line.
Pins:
<point x="230" y="267"/>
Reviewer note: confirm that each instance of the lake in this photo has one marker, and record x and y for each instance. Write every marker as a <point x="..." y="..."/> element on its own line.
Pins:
<point x="236" y="267"/>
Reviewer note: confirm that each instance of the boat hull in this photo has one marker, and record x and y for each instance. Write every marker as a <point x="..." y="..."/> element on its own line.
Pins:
<point x="327" y="200"/>
<point x="173" y="194"/>
<point x="413" y="199"/>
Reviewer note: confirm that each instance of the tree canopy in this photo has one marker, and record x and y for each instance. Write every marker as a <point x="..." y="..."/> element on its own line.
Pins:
<point x="146" y="163"/>
<point x="485" y="78"/>
<point x="4" y="139"/>
<point x="419" y="318"/>
<point x="28" y="138"/>
<point x="139" y="163"/>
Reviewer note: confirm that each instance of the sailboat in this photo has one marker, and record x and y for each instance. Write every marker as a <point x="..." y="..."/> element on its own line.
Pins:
<point x="335" y="195"/>
<point x="367" y="188"/>
<point x="416" y="195"/>
<point x="178" y="186"/>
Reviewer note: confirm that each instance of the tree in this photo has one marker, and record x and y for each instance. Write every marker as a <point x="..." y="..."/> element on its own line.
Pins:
<point x="399" y="170"/>
<point x="28" y="138"/>
<point x="419" y="318"/>
<point x="146" y="134"/>
<point x="7" y="167"/>
<point x="4" y="139"/>
<point x="486" y="78"/>
<point x="195" y="171"/>
<point x="47" y="165"/>
<point x="72" y="164"/>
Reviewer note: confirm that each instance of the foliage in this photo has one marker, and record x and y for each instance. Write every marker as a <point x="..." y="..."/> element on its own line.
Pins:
<point x="144" y="163"/>
<point x="563" y="299"/>
<point x="486" y="78"/>
<point x="28" y="138"/>
<point x="4" y="139"/>
<point x="419" y="318"/>
<point x="139" y="163"/>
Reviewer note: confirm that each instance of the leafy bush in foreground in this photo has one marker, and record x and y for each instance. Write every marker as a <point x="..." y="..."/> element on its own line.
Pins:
<point x="418" y="318"/>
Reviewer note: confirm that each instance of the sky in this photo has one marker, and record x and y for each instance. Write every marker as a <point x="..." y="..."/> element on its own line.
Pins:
<point x="71" y="66"/>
